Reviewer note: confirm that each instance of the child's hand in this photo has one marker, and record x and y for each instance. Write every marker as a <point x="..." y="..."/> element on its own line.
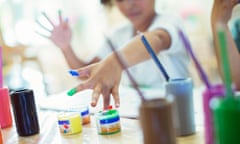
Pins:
<point x="104" y="78"/>
<point x="60" y="34"/>
<point x="222" y="10"/>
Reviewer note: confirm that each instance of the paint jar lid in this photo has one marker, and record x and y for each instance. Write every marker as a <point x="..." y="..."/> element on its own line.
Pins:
<point x="84" y="111"/>
<point x="110" y="115"/>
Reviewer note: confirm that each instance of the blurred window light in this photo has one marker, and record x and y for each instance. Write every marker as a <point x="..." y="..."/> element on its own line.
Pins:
<point x="10" y="37"/>
<point x="17" y="1"/>
<point x="24" y="32"/>
<point x="2" y="1"/>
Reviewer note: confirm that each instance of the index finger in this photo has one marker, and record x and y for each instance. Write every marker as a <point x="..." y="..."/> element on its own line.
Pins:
<point x="79" y="88"/>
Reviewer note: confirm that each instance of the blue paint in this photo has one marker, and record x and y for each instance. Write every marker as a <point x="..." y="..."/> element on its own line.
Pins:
<point x="74" y="73"/>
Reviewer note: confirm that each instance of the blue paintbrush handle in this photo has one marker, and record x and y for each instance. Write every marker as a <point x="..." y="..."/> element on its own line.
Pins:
<point x="155" y="58"/>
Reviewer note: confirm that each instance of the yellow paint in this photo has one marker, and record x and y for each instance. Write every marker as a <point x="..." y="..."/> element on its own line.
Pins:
<point x="70" y="123"/>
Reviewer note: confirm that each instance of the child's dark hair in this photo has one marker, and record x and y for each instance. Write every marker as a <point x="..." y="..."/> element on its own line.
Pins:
<point x="107" y="2"/>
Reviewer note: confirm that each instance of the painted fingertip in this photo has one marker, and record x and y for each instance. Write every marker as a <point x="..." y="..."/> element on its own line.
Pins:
<point x="110" y="107"/>
<point x="72" y="92"/>
<point x="74" y="72"/>
<point x="59" y="12"/>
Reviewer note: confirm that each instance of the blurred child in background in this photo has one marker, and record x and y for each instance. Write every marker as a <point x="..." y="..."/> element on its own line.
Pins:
<point x="105" y="73"/>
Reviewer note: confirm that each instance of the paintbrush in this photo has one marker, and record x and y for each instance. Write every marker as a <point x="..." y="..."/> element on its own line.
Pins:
<point x="124" y="66"/>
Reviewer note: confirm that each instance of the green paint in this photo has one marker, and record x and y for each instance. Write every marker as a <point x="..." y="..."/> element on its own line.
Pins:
<point x="226" y="117"/>
<point x="72" y="92"/>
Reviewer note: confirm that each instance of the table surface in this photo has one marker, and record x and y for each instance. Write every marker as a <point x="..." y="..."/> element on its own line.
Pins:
<point x="49" y="133"/>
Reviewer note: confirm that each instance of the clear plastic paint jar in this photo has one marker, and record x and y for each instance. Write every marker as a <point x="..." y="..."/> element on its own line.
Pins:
<point x="182" y="91"/>
<point x="157" y="121"/>
<point x="69" y="123"/>
<point x="85" y="115"/>
<point x="226" y="117"/>
<point x="108" y="122"/>
<point x="215" y="91"/>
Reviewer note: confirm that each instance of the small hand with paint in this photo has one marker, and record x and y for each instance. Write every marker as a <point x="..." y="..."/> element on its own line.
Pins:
<point x="222" y="10"/>
<point x="60" y="34"/>
<point x="103" y="77"/>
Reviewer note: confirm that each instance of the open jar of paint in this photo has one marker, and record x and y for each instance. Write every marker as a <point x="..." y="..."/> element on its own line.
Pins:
<point x="69" y="123"/>
<point x="108" y="122"/>
<point x="84" y="113"/>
